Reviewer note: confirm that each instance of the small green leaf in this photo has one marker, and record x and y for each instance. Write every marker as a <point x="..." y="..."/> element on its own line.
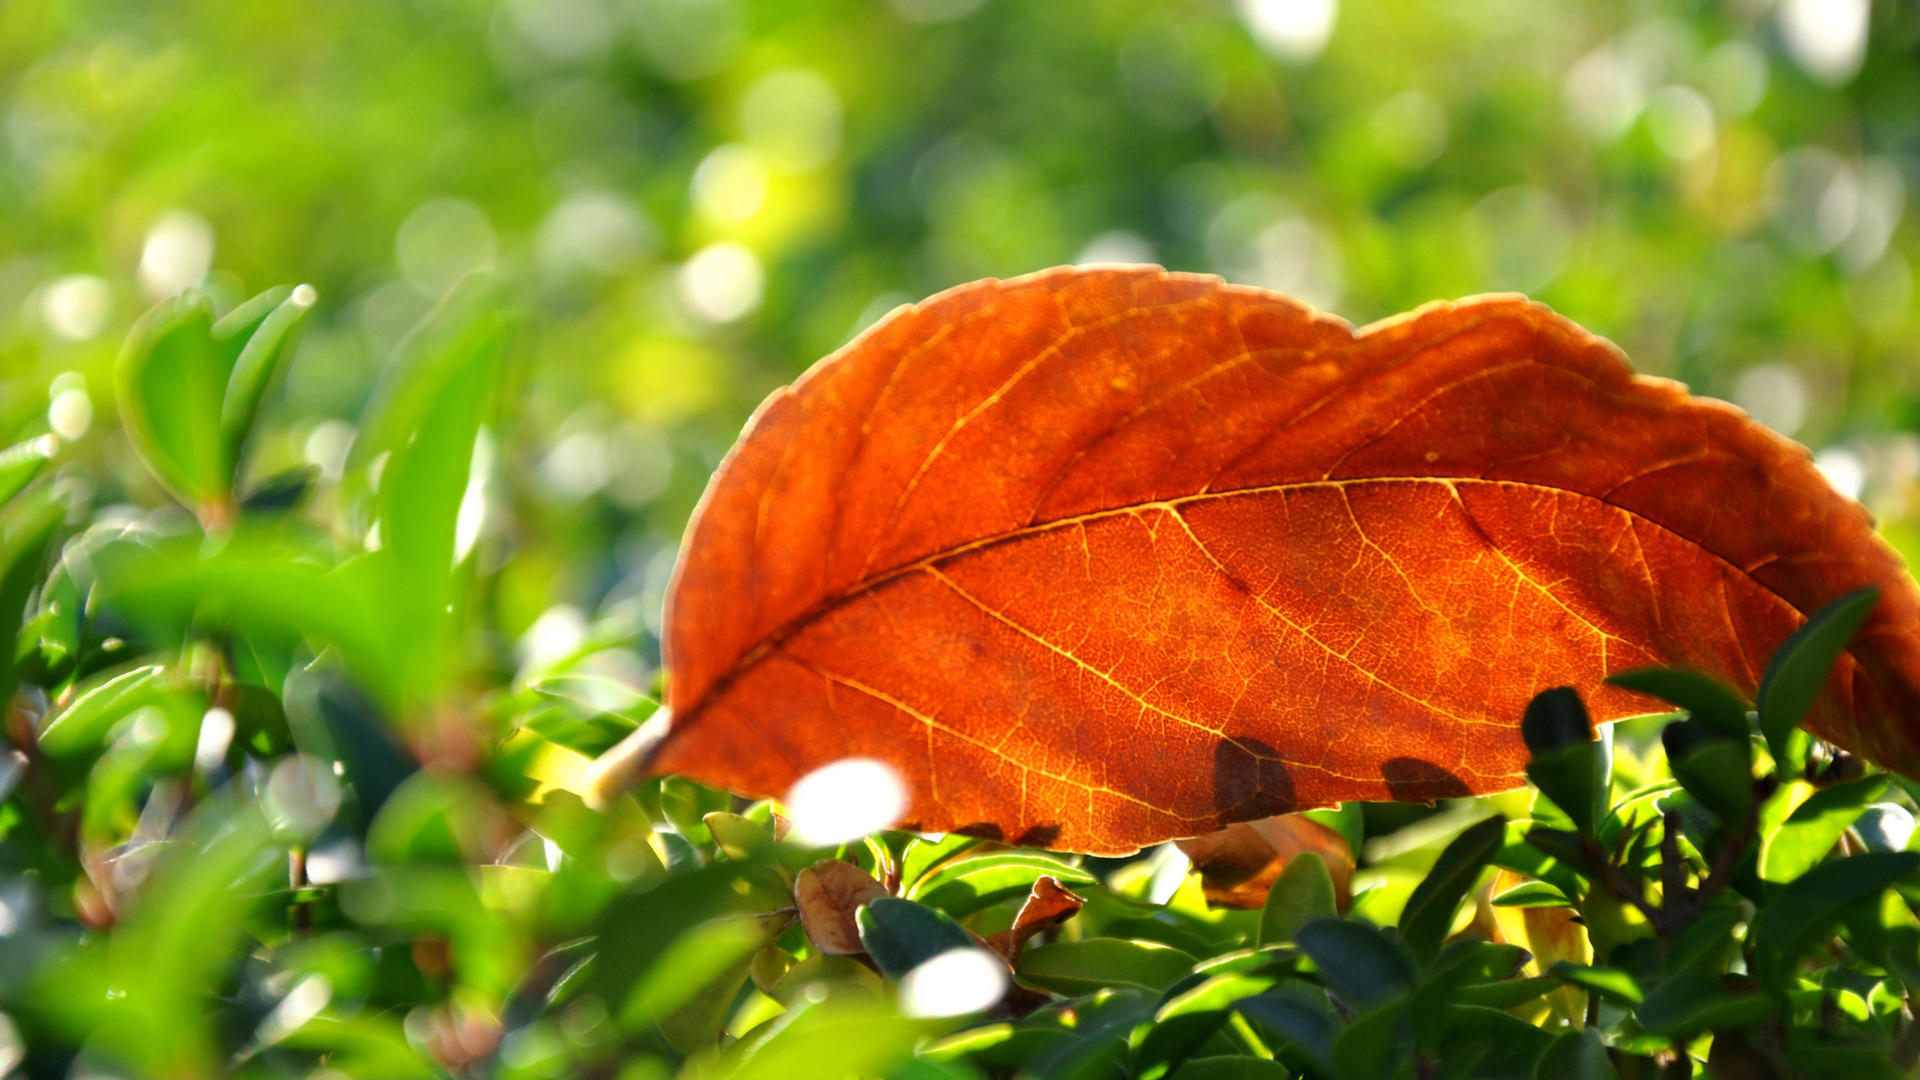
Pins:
<point x="1080" y="967"/>
<point x="1815" y="827"/>
<point x="900" y="935"/>
<point x="1611" y="982"/>
<point x="82" y="726"/>
<point x="266" y="328"/>
<point x="1302" y="893"/>
<point x="1360" y="963"/>
<point x="1532" y="894"/>
<point x="21" y="462"/>
<point x="1428" y="916"/>
<point x="1808" y="908"/>
<point x="1704" y="698"/>
<point x="1798" y="671"/>
<point x="963" y="886"/>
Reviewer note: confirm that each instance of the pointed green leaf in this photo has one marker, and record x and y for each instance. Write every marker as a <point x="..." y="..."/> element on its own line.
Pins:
<point x="1428" y="916"/>
<point x="1798" y="671"/>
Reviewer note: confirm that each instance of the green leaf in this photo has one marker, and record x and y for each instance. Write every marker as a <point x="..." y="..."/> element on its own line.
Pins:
<point x="1232" y="1067"/>
<point x="923" y="854"/>
<point x="1500" y="1046"/>
<point x="1705" y="698"/>
<point x="1795" y="919"/>
<point x="1080" y="967"/>
<point x="1297" y="1020"/>
<point x="1532" y="894"/>
<point x="858" y="1037"/>
<point x="1358" y="962"/>
<point x="266" y="328"/>
<point x="1186" y="1020"/>
<point x="1716" y="770"/>
<point x="1428" y="917"/>
<point x="169" y="381"/>
<point x="27" y="529"/>
<point x="1798" y="671"/>
<point x="1566" y="761"/>
<point x="1348" y="819"/>
<point x="1302" y="893"/>
<point x="448" y="395"/>
<point x="1815" y="826"/>
<point x="963" y="886"/>
<point x="1692" y="1002"/>
<point x="1611" y="982"/>
<point x="900" y="935"/>
<point x="82" y="727"/>
<point x="1377" y="1046"/>
<point x="1578" y="1055"/>
<point x="21" y="462"/>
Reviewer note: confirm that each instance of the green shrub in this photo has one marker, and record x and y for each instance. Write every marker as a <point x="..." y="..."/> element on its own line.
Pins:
<point x="279" y="802"/>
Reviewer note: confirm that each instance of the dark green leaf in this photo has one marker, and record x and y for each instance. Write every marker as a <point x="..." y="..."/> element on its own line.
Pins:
<point x="1690" y="1003"/>
<point x="1358" y="962"/>
<point x="900" y="935"/>
<point x="1706" y="699"/>
<point x="1079" y="967"/>
<point x="1428" y="917"/>
<point x="1798" y="671"/>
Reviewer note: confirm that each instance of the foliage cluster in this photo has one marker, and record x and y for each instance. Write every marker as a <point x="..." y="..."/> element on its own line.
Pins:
<point x="277" y="804"/>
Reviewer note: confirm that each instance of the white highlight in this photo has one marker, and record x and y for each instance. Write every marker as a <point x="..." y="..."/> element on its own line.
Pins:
<point x="1290" y="29"/>
<point x="794" y="118"/>
<point x="845" y="800"/>
<point x="722" y="282"/>
<point x="216" y="734"/>
<point x="304" y="1002"/>
<point x="1773" y="394"/>
<point x="1843" y="468"/>
<point x="75" y="307"/>
<point x="954" y="983"/>
<point x="730" y="184"/>
<point x="70" y="413"/>
<point x="1827" y="38"/>
<point x="177" y="254"/>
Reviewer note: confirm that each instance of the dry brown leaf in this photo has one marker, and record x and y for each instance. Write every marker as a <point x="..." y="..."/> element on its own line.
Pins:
<point x="1101" y="558"/>
<point x="1239" y="864"/>
<point x="1048" y="904"/>
<point x="828" y="894"/>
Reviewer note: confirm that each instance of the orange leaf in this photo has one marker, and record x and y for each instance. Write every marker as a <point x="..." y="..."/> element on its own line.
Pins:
<point x="1101" y="558"/>
<point x="1239" y="864"/>
<point x="828" y="893"/>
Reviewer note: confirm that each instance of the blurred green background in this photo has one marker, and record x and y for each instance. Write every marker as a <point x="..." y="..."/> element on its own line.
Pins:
<point x="694" y="199"/>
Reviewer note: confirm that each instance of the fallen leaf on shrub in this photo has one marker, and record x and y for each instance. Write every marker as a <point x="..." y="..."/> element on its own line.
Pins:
<point x="1239" y="864"/>
<point x="1101" y="558"/>
<point x="1047" y="906"/>
<point x="828" y="894"/>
